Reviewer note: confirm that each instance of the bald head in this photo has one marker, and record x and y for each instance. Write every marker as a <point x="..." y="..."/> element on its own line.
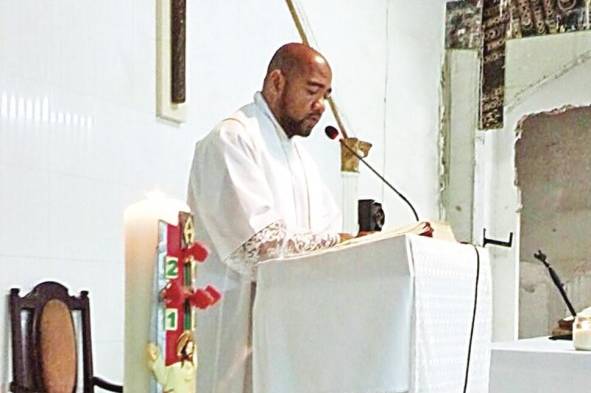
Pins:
<point x="297" y="82"/>
<point x="295" y="57"/>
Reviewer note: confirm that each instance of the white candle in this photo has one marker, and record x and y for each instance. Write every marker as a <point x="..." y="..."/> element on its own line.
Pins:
<point x="141" y="240"/>
<point x="582" y="333"/>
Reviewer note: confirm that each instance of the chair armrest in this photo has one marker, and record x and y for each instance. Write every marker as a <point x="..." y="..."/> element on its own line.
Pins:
<point x="101" y="383"/>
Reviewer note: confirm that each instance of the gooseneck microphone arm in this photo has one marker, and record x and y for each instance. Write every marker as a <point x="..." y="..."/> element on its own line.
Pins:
<point x="540" y="256"/>
<point x="332" y="133"/>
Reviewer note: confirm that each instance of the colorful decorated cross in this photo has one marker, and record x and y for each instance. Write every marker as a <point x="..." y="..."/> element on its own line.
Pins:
<point x="173" y="321"/>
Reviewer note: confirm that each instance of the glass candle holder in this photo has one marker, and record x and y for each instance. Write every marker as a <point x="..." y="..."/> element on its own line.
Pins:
<point x="582" y="333"/>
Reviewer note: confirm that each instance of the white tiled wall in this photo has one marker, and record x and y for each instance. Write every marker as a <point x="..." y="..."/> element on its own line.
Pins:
<point x="79" y="140"/>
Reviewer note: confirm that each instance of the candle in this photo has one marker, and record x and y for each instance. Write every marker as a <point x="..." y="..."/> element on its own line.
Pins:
<point x="582" y="333"/>
<point x="141" y="238"/>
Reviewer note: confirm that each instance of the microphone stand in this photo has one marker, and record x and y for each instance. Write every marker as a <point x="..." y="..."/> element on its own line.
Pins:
<point x="381" y="178"/>
<point x="540" y="256"/>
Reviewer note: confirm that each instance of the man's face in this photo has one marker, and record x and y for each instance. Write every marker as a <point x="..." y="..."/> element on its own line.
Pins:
<point x="302" y="100"/>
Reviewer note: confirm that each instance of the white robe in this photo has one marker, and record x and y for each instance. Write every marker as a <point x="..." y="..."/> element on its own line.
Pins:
<point x="246" y="174"/>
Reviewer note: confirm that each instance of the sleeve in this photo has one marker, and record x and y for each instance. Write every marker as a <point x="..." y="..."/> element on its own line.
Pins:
<point x="159" y="369"/>
<point x="228" y="188"/>
<point x="274" y="241"/>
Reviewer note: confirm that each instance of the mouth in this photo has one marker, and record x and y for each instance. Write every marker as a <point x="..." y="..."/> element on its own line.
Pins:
<point x="314" y="118"/>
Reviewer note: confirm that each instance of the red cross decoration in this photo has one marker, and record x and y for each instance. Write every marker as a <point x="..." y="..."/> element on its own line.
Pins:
<point x="180" y="296"/>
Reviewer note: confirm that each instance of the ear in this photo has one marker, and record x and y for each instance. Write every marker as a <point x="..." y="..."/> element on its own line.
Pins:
<point x="277" y="81"/>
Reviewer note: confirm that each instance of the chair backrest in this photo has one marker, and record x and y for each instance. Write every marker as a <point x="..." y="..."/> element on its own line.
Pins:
<point x="44" y="340"/>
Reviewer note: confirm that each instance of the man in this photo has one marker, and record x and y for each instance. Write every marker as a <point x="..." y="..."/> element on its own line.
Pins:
<point x="256" y="195"/>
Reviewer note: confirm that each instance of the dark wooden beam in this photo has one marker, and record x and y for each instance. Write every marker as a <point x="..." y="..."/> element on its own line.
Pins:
<point x="177" y="53"/>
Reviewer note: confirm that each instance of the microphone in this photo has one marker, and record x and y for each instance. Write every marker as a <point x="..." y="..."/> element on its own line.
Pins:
<point x="333" y="133"/>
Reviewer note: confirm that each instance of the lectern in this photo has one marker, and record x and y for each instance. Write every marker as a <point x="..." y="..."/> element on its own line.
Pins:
<point x="384" y="315"/>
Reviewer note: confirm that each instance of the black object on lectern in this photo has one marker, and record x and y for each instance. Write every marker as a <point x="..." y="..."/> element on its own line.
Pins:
<point x="370" y="215"/>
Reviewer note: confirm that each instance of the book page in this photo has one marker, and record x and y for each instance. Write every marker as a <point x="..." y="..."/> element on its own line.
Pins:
<point x="436" y="230"/>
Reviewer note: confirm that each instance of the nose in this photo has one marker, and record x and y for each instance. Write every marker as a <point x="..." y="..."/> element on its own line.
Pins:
<point x="318" y="105"/>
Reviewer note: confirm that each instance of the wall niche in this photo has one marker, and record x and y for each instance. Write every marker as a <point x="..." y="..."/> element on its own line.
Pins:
<point x="553" y="164"/>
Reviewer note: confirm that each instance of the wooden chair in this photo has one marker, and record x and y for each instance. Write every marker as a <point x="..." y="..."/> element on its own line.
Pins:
<point x="45" y="345"/>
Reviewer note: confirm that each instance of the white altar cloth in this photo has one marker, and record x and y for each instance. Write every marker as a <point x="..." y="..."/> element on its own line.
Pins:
<point x="384" y="316"/>
<point x="539" y="365"/>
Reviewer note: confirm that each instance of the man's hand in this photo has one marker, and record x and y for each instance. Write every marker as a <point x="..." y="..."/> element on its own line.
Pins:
<point x="152" y="352"/>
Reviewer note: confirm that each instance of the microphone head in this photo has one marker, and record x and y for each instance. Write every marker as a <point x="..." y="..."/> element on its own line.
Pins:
<point x="331" y="132"/>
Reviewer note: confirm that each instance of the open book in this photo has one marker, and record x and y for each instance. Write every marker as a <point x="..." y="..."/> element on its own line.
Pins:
<point x="436" y="230"/>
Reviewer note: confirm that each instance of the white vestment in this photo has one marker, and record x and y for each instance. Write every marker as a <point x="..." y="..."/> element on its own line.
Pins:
<point x="246" y="175"/>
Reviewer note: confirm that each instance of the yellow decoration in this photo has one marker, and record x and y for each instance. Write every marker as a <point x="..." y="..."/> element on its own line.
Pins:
<point x="179" y="377"/>
<point x="189" y="231"/>
<point x="350" y="163"/>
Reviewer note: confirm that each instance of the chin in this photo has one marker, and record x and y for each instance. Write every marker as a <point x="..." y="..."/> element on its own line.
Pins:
<point x="306" y="132"/>
<point x="307" y="129"/>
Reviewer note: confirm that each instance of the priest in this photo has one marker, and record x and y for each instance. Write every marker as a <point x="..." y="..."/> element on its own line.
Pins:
<point x="256" y="195"/>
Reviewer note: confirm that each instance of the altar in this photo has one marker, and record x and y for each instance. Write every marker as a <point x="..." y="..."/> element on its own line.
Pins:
<point x="539" y="365"/>
<point x="384" y="315"/>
